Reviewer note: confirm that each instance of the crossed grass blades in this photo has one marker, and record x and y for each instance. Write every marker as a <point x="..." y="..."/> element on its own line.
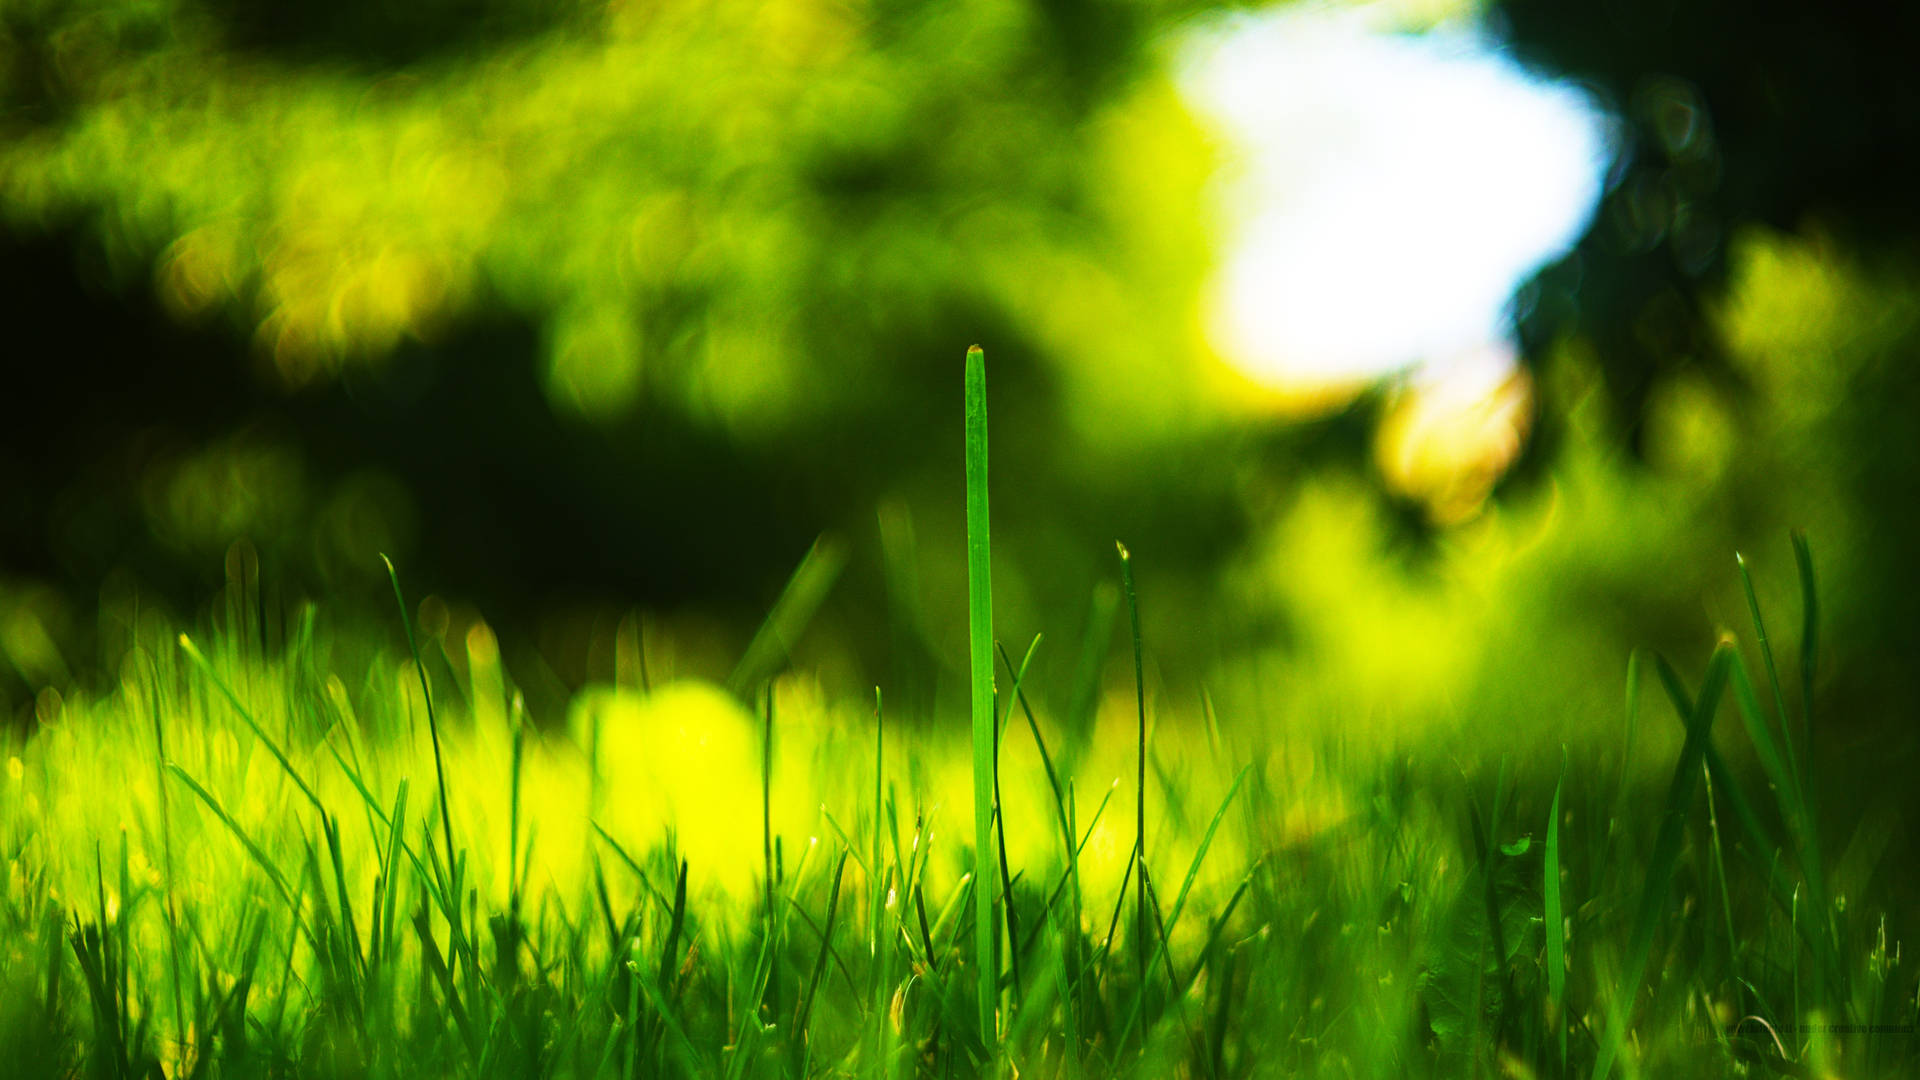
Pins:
<point x="229" y="865"/>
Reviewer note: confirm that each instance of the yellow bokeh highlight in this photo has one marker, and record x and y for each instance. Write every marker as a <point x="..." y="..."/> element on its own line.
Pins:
<point x="1446" y="448"/>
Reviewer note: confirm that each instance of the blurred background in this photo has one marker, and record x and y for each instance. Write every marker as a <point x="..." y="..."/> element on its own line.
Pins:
<point x="1429" y="356"/>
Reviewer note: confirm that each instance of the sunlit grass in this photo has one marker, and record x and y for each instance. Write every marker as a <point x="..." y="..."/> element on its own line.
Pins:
<point x="328" y="859"/>
<point x="1330" y="915"/>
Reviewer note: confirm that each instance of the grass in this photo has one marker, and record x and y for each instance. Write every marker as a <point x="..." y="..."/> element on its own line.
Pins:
<point x="221" y="863"/>
<point x="980" y="670"/>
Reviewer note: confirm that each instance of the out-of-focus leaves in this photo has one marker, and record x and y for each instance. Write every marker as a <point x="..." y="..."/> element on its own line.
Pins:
<point x="745" y="208"/>
<point x="621" y="299"/>
<point x="1734" y="115"/>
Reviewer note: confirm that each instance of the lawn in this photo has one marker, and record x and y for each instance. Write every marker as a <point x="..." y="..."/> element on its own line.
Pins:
<point x="302" y="853"/>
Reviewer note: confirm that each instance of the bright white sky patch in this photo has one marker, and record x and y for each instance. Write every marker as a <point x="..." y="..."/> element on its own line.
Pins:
<point x="1391" y="190"/>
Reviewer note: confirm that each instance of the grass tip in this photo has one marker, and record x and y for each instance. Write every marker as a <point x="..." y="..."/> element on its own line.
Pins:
<point x="1125" y="555"/>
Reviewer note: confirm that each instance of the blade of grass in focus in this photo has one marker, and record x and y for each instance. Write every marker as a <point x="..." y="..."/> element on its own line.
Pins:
<point x="1140" y="899"/>
<point x="980" y="665"/>
<point x="1554" y="917"/>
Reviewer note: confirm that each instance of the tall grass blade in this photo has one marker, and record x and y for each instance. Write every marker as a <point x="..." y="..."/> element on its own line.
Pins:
<point x="1666" y="851"/>
<point x="1007" y="906"/>
<point x="1720" y="870"/>
<point x="1140" y="782"/>
<point x="200" y="661"/>
<point x="1775" y="759"/>
<point x="383" y="907"/>
<point x="770" y="940"/>
<point x="805" y="1012"/>
<point x="433" y="729"/>
<point x="166" y="838"/>
<point x="253" y="849"/>
<point x="1766" y="659"/>
<point x="1040" y="741"/>
<point x="1556" y="919"/>
<point x="1761" y="850"/>
<point x="1809" y="637"/>
<point x="1160" y="953"/>
<point x="670" y="952"/>
<point x="980" y="667"/>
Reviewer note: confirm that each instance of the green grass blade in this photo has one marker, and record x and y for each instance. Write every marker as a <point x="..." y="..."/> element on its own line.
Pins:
<point x="770" y="933"/>
<point x="1766" y="658"/>
<point x="1000" y="823"/>
<point x="1220" y="922"/>
<point x="1774" y="758"/>
<point x="383" y="908"/>
<point x="166" y="840"/>
<point x="1071" y="878"/>
<point x="433" y="728"/>
<point x="1160" y="953"/>
<point x="1040" y="741"/>
<point x="1720" y="870"/>
<point x="1666" y="851"/>
<point x="1014" y="693"/>
<point x="1140" y="784"/>
<point x="1632" y="732"/>
<point x="1200" y="853"/>
<point x="980" y="667"/>
<point x="1809" y="637"/>
<point x="200" y="661"/>
<point x="349" y="928"/>
<point x="1555" y="918"/>
<point x="682" y="1044"/>
<point x="805" y="1011"/>
<point x="1761" y="850"/>
<point x="670" y="952"/>
<point x="253" y="849"/>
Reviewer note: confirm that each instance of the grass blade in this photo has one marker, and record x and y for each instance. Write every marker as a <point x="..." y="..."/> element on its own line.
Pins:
<point x="1140" y="788"/>
<point x="1555" y="918"/>
<point x="1766" y="658"/>
<point x="255" y="850"/>
<point x="1666" y="850"/>
<point x="1160" y="953"/>
<point x="805" y="1011"/>
<point x="1809" y="637"/>
<point x="433" y="728"/>
<point x="980" y="666"/>
<point x="200" y="661"/>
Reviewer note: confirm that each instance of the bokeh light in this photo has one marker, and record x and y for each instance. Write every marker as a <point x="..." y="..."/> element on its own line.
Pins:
<point x="1388" y="191"/>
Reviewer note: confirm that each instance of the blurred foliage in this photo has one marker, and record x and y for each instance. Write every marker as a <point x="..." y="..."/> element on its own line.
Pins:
<point x="1732" y="115"/>
<point x="1515" y="629"/>
<point x="711" y="204"/>
<point x="1747" y="291"/>
<point x="645" y="296"/>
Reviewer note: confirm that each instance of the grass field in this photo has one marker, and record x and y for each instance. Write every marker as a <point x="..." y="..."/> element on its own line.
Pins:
<point x="323" y="859"/>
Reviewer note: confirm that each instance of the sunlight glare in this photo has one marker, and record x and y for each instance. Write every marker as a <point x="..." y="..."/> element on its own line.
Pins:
<point x="1386" y="192"/>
